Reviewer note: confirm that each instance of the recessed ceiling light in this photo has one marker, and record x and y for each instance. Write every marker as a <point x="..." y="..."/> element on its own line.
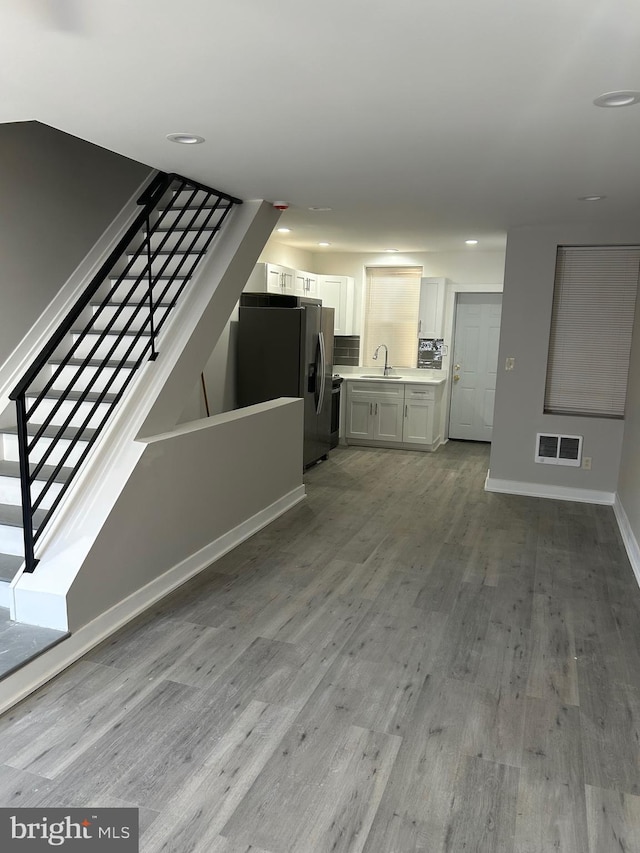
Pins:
<point x="392" y="250"/>
<point x="471" y="242"/>
<point x="317" y="209"/>
<point x="624" y="98"/>
<point x="185" y="138"/>
<point x="324" y="244"/>
<point x="284" y="230"/>
<point x="591" y="197"/>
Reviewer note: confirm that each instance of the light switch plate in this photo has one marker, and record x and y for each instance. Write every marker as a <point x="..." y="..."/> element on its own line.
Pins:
<point x="510" y="364"/>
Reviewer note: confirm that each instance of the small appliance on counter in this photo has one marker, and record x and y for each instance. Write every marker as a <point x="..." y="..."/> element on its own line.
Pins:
<point x="285" y="347"/>
<point x="430" y="352"/>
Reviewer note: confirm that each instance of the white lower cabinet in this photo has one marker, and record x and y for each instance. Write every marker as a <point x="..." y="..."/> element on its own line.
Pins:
<point x="374" y="414"/>
<point x="419" y="404"/>
<point x="393" y="414"/>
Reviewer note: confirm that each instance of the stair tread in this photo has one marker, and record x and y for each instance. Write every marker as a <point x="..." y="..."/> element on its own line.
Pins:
<point x="175" y="208"/>
<point x="9" y="566"/>
<point x="141" y="277"/>
<point x="130" y="333"/>
<point x="52" y="432"/>
<point x="11" y="516"/>
<point x="132" y="304"/>
<point x="166" y="252"/>
<point x="91" y="397"/>
<point x="176" y="229"/>
<point x="94" y="362"/>
<point x="12" y="469"/>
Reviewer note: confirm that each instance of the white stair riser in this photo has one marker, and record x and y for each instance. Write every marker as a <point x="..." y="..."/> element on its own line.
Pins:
<point x="163" y="264"/>
<point x="10" y="450"/>
<point x="10" y="492"/>
<point x="105" y="347"/>
<point x="191" y="240"/>
<point x="61" y="415"/>
<point x="137" y="323"/>
<point x="11" y="540"/>
<point x="189" y="219"/>
<point x="164" y="290"/>
<point x="5" y="594"/>
<point x="94" y="378"/>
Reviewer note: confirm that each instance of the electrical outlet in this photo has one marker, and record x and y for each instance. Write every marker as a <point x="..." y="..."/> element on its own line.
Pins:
<point x="510" y="364"/>
<point x="586" y="463"/>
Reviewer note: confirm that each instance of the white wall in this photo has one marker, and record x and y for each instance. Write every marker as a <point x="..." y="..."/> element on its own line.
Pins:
<point x="526" y="323"/>
<point x="287" y="256"/>
<point x="57" y="196"/>
<point x="468" y="267"/>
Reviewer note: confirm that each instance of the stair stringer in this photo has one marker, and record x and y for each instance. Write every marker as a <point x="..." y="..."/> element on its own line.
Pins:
<point x="157" y="397"/>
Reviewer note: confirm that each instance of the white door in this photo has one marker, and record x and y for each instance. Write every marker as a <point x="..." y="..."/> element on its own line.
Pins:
<point x="475" y="365"/>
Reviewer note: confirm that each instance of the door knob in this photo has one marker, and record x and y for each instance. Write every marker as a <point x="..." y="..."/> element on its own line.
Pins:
<point x="456" y="378"/>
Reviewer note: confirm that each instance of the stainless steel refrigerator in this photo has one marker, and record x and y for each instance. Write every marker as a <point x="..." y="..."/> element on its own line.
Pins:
<point x="285" y="349"/>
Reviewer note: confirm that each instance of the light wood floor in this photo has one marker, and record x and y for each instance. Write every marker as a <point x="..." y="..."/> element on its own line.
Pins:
<point x="401" y="664"/>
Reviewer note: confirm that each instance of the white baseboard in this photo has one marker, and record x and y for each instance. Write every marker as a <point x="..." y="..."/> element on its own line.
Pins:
<point x="539" y="490"/>
<point x="33" y="675"/>
<point x="628" y="537"/>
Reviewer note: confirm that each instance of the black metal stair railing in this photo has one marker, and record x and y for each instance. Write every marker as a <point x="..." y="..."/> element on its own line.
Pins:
<point x="91" y="393"/>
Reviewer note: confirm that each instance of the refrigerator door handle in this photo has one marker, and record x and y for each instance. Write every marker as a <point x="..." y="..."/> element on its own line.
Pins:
<point x="321" y="368"/>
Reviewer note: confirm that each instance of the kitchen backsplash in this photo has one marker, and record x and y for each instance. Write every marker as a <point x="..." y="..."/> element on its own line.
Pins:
<point x="346" y="349"/>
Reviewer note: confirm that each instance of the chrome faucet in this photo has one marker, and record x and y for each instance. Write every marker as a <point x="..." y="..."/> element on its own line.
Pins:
<point x="387" y="367"/>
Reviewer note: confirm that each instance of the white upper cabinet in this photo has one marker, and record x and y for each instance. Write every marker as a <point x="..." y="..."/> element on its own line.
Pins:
<point x="431" y="311"/>
<point x="305" y="284"/>
<point x="271" y="278"/>
<point x="337" y="292"/>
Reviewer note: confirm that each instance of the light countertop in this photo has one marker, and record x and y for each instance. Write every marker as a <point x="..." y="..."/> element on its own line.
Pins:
<point x="414" y="377"/>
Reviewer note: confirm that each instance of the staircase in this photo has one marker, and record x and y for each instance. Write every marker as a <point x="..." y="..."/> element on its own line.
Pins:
<point x="117" y="326"/>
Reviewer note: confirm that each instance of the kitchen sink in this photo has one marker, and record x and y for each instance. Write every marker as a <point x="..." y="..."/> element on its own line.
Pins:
<point x="378" y="376"/>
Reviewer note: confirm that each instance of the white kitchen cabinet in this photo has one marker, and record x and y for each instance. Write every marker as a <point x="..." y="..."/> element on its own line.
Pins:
<point x="359" y="421"/>
<point x="389" y="413"/>
<point x="431" y="309"/>
<point x="374" y="411"/>
<point x="338" y="292"/>
<point x="271" y="278"/>
<point x="419" y="404"/>
<point x="305" y="284"/>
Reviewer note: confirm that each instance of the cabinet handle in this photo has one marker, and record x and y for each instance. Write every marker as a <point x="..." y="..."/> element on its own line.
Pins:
<point x="419" y="327"/>
<point x="405" y="410"/>
<point x="370" y="408"/>
<point x="376" y="408"/>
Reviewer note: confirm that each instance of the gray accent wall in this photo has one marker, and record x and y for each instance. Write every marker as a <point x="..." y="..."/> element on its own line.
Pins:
<point x="58" y="194"/>
<point x="526" y="323"/>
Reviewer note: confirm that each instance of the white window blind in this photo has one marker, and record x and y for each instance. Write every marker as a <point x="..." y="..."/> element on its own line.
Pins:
<point x="391" y="315"/>
<point x="591" y="328"/>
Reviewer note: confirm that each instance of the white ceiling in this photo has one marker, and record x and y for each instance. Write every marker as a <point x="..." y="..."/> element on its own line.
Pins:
<point x="419" y="122"/>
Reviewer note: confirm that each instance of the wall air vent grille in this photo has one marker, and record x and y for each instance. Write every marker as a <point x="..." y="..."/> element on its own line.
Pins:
<point x="559" y="449"/>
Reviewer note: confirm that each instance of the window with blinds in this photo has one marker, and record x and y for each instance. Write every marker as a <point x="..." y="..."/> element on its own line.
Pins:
<point x="591" y="329"/>
<point x="391" y="315"/>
